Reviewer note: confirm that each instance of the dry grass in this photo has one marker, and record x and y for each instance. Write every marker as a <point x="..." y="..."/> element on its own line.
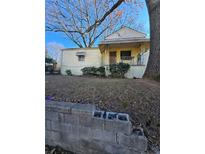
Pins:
<point x="140" y="98"/>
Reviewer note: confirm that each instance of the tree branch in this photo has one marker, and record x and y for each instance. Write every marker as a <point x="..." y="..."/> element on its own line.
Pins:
<point x="98" y="22"/>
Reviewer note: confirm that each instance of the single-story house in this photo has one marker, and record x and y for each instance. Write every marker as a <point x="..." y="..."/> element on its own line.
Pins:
<point x="125" y="45"/>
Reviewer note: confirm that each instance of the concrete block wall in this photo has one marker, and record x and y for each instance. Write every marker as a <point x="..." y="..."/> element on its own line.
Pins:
<point x="82" y="129"/>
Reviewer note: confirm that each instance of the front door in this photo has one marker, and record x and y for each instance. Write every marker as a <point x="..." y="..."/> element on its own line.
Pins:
<point x="112" y="57"/>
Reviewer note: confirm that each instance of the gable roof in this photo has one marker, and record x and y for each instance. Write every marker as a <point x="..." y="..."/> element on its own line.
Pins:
<point x="125" y="35"/>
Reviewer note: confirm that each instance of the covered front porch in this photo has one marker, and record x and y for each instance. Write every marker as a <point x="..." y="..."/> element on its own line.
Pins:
<point x="135" y="54"/>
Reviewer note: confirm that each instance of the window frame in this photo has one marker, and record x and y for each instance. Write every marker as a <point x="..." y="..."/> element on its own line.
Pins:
<point x="130" y="55"/>
<point x="81" y="56"/>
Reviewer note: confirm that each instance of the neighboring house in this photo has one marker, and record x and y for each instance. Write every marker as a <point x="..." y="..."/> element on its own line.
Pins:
<point x="125" y="45"/>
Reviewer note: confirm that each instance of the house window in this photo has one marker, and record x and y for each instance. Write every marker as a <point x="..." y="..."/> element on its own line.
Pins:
<point x="125" y="55"/>
<point x="81" y="57"/>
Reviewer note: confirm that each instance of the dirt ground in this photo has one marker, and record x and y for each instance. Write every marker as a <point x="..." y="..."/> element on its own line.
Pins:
<point x="140" y="98"/>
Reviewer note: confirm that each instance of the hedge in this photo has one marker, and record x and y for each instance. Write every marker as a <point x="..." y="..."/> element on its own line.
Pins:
<point x="119" y="70"/>
<point x="68" y="72"/>
<point x="94" y="71"/>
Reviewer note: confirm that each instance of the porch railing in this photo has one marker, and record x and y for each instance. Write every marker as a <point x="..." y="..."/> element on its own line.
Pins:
<point x="128" y="59"/>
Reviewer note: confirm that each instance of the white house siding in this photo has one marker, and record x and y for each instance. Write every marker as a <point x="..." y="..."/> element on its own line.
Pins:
<point x="70" y="60"/>
<point x="138" y="71"/>
<point x="93" y="58"/>
<point x="135" y="71"/>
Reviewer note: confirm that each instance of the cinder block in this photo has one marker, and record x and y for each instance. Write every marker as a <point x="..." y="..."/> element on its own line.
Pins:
<point x="118" y="126"/>
<point x="71" y="119"/>
<point x="48" y="108"/>
<point x="53" y="108"/>
<point x="66" y="107"/>
<point x="84" y="133"/>
<point x="47" y="134"/>
<point x="98" y="123"/>
<point x="81" y="113"/>
<point x="63" y="109"/>
<point x="48" y="139"/>
<point x="61" y="127"/>
<point x="139" y="143"/>
<point x="72" y="133"/>
<point x="53" y="136"/>
<point x="64" y="127"/>
<point x="54" y="116"/>
<point x="61" y="117"/>
<point x="55" y="126"/>
<point x="119" y="149"/>
<point x="85" y="120"/>
<point x="102" y="135"/>
<point x="50" y="115"/>
<point x="124" y="127"/>
<point x="110" y="125"/>
<point x="48" y="124"/>
<point x="65" y="137"/>
<point x="75" y="130"/>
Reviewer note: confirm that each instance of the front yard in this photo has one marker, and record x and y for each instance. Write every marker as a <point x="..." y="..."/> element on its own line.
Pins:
<point x="140" y="98"/>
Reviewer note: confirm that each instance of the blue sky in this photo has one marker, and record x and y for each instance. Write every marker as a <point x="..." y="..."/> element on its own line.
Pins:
<point x="142" y="18"/>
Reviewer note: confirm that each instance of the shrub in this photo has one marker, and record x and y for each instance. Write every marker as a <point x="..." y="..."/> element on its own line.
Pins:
<point x="68" y="72"/>
<point x="50" y="65"/>
<point x="101" y="71"/>
<point x="94" y="71"/>
<point x="119" y="70"/>
<point x="49" y="68"/>
<point x="88" y="70"/>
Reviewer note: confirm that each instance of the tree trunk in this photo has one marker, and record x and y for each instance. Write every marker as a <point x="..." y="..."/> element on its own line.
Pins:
<point x="153" y="66"/>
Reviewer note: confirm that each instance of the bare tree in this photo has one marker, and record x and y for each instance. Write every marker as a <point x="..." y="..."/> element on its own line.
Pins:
<point x="54" y="51"/>
<point x="46" y="53"/>
<point x="85" y="21"/>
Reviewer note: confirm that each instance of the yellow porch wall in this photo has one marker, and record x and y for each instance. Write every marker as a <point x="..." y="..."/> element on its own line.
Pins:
<point x="135" y="50"/>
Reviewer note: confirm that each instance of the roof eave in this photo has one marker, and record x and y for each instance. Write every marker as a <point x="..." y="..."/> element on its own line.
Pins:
<point x="87" y="48"/>
<point x="123" y="41"/>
